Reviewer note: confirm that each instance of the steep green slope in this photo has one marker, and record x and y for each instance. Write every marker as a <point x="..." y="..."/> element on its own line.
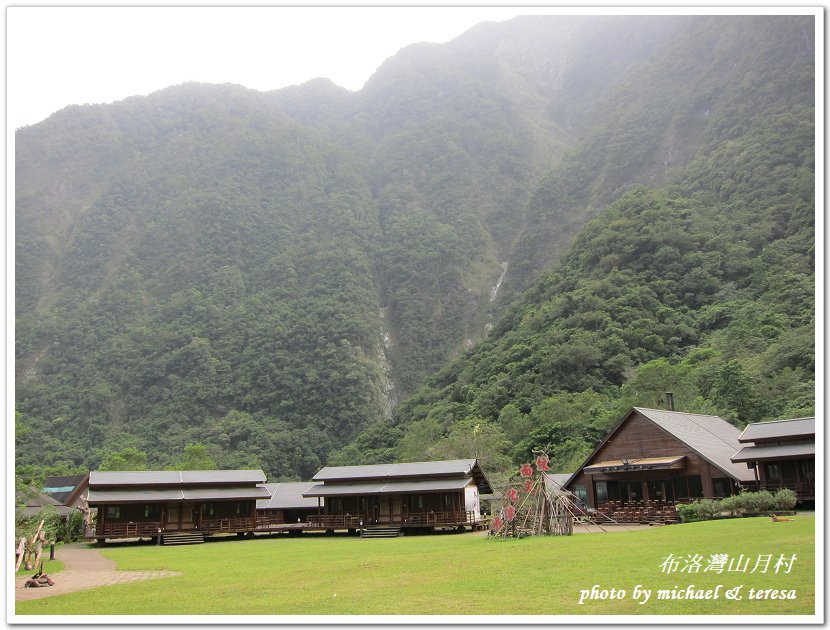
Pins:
<point x="709" y="84"/>
<point x="704" y="288"/>
<point x="220" y="280"/>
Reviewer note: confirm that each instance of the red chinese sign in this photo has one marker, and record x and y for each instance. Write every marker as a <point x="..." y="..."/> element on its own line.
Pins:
<point x="509" y="513"/>
<point x="528" y="485"/>
<point x="526" y="470"/>
<point x="512" y="495"/>
<point x="542" y="464"/>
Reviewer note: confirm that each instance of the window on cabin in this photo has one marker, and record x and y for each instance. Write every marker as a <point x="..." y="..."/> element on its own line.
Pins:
<point x="660" y="489"/>
<point x="601" y="488"/>
<point x="416" y="502"/>
<point x="151" y="510"/>
<point x="631" y="491"/>
<point x="805" y="469"/>
<point x="773" y="472"/>
<point x="581" y="492"/>
<point x="681" y="488"/>
<point x="695" y="486"/>
<point x="113" y="512"/>
<point x="722" y="487"/>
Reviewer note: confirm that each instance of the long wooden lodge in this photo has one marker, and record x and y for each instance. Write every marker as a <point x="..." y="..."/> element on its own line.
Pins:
<point x="417" y="495"/>
<point x="781" y="454"/>
<point x="168" y="503"/>
<point x="653" y="459"/>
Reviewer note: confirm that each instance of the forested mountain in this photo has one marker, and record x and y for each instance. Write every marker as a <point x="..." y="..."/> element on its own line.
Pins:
<point x="268" y="274"/>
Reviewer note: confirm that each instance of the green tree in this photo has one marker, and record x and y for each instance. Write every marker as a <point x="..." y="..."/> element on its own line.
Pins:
<point x="196" y="457"/>
<point x="128" y="459"/>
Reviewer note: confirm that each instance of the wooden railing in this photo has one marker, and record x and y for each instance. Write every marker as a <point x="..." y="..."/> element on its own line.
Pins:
<point x="220" y="525"/>
<point x="348" y="521"/>
<point x="264" y="522"/>
<point x="438" y="518"/>
<point x="351" y="521"/>
<point x="639" y="511"/>
<point x="123" y="530"/>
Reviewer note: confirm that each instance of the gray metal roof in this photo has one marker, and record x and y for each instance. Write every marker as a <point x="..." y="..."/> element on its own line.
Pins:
<point x="144" y="495"/>
<point x="174" y="477"/>
<point x="287" y="495"/>
<point x="386" y="487"/>
<point x="411" y="469"/>
<point x="556" y="483"/>
<point x="779" y="451"/>
<point x="779" y="429"/>
<point x="712" y="437"/>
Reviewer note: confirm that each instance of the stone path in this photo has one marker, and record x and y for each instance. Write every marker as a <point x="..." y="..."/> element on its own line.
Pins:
<point x="84" y="568"/>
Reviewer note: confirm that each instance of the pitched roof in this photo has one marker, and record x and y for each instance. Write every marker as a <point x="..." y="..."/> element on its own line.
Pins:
<point x="778" y="451"/>
<point x="61" y="487"/>
<point x="779" y="429"/>
<point x="386" y="487"/>
<point x="555" y="483"/>
<point x="287" y="495"/>
<point x="34" y="503"/>
<point x="149" y="495"/>
<point x="447" y="468"/>
<point x="714" y="439"/>
<point x="411" y="469"/>
<point x="53" y="482"/>
<point x="174" y="477"/>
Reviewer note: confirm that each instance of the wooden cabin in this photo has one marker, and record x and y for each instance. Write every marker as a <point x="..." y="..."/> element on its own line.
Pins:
<point x="652" y="459"/>
<point x="286" y="505"/>
<point x="156" y="503"/>
<point x="444" y="494"/>
<point x="781" y="454"/>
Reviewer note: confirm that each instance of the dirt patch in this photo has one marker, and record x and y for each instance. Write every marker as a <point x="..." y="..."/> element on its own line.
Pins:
<point x="84" y="568"/>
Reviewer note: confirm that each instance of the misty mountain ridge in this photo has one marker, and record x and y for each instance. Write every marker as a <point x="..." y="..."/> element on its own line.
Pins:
<point x="275" y="274"/>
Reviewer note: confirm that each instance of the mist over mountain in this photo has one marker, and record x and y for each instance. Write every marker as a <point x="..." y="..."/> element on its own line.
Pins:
<point x="275" y="275"/>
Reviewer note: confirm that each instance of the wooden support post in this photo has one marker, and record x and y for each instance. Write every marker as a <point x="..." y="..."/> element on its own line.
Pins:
<point x="21" y="549"/>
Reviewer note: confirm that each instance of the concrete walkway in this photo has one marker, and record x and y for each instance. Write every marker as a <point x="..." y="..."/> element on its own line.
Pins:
<point x="84" y="568"/>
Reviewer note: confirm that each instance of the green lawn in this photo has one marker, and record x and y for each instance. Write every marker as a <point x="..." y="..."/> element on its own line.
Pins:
<point x="49" y="566"/>
<point x="457" y="574"/>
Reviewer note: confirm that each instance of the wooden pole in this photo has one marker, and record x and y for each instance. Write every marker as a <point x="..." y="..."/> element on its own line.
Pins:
<point x="21" y="549"/>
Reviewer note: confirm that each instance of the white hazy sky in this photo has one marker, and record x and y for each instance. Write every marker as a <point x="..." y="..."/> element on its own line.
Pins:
<point x="59" y="55"/>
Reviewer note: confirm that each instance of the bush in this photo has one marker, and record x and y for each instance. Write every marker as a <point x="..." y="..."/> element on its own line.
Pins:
<point x="784" y="500"/>
<point x="757" y="502"/>
<point x="733" y="505"/>
<point x="688" y="512"/>
<point x="762" y="502"/>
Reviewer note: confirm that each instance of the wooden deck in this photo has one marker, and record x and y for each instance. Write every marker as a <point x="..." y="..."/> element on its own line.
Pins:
<point x="639" y="511"/>
<point x="262" y="524"/>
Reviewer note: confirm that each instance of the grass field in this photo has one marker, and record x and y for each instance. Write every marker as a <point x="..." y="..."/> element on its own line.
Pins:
<point x="460" y="574"/>
<point x="49" y="566"/>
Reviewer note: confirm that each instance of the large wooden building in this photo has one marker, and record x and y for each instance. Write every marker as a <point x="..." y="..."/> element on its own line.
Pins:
<point x="654" y="458"/>
<point x="412" y="495"/>
<point x="781" y="454"/>
<point x="160" y="503"/>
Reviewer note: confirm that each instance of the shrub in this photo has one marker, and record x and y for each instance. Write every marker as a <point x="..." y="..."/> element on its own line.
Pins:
<point x="733" y="505"/>
<point x="784" y="500"/>
<point x="746" y="502"/>
<point x="688" y="512"/>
